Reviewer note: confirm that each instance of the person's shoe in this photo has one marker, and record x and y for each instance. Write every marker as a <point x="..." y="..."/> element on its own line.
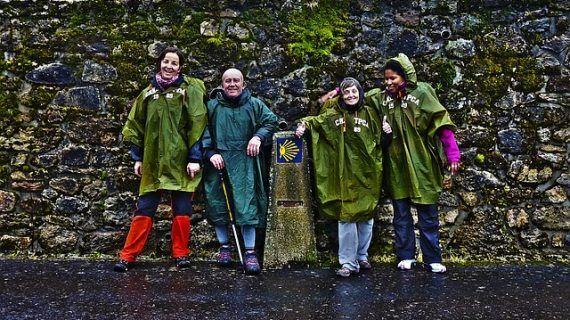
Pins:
<point x="182" y="262"/>
<point x="406" y="264"/>
<point x="436" y="267"/>
<point x="364" y="265"/>
<point x="345" y="272"/>
<point x="251" y="263"/>
<point x="225" y="256"/>
<point x="122" y="266"/>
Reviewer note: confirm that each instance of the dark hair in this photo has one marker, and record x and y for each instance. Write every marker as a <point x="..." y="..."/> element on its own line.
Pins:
<point x="178" y="52"/>
<point x="396" y="67"/>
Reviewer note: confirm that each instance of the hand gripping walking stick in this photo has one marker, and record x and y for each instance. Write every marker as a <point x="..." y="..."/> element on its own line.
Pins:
<point x="230" y="212"/>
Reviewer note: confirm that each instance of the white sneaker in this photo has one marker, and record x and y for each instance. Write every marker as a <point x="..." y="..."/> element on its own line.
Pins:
<point x="406" y="264"/>
<point x="437" y="267"/>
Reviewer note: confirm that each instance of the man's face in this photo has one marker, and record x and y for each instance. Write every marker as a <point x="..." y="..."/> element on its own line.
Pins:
<point x="232" y="83"/>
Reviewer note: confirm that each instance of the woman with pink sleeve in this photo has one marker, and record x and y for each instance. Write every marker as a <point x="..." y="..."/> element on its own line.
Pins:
<point x="412" y="163"/>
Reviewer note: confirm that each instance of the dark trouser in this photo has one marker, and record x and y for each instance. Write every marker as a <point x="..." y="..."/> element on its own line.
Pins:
<point x="405" y="242"/>
<point x="148" y="203"/>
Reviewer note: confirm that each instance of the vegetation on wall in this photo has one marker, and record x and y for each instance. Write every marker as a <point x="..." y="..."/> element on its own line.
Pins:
<point x="315" y="31"/>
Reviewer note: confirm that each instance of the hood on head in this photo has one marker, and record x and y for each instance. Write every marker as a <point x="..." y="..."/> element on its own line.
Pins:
<point x="404" y="61"/>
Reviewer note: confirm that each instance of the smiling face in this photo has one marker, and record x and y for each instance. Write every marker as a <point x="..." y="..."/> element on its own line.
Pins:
<point x="232" y="83"/>
<point x="350" y="95"/>
<point x="392" y="80"/>
<point x="169" y="66"/>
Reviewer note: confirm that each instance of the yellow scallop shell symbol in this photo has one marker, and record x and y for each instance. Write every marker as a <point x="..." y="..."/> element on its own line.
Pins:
<point x="288" y="150"/>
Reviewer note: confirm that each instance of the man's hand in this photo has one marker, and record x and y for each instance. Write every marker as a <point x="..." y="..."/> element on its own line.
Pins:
<point x="138" y="168"/>
<point x="217" y="161"/>
<point x="253" y="146"/>
<point x="192" y="169"/>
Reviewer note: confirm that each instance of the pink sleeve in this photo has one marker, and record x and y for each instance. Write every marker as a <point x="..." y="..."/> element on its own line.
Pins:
<point x="450" y="146"/>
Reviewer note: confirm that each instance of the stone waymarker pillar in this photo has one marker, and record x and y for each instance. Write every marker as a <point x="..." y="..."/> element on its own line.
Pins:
<point x="290" y="235"/>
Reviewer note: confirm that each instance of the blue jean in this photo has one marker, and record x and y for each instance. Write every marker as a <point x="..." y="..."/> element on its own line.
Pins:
<point x="353" y="242"/>
<point x="405" y="242"/>
<point x="247" y="231"/>
<point x="148" y="203"/>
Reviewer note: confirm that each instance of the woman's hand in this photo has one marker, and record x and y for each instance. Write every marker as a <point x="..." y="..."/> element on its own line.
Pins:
<point x="138" y="168"/>
<point x="192" y="168"/>
<point x="386" y="126"/>
<point x="217" y="161"/>
<point x="300" y="130"/>
<point x="253" y="146"/>
<point x="329" y="95"/>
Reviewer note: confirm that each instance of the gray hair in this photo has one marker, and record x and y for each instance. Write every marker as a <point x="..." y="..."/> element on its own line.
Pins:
<point x="349" y="82"/>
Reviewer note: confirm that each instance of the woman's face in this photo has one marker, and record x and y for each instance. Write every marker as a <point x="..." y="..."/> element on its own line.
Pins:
<point x="350" y="95"/>
<point x="169" y="66"/>
<point x="392" y="80"/>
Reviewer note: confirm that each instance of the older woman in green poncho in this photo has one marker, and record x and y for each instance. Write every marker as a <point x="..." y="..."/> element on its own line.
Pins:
<point x="164" y="127"/>
<point x="347" y="153"/>
<point x="412" y="166"/>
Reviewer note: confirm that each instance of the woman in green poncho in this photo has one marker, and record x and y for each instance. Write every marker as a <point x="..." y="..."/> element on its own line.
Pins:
<point x="348" y="166"/>
<point x="164" y="125"/>
<point x="412" y="166"/>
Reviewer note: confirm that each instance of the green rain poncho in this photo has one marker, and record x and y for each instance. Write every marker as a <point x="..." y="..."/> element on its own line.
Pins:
<point x="412" y="163"/>
<point x="347" y="157"/>
<point x="232" y="125"/>
<point x="165" y="125"/>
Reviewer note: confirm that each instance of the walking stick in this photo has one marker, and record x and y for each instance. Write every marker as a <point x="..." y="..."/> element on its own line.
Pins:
<point x="232" y="220"/>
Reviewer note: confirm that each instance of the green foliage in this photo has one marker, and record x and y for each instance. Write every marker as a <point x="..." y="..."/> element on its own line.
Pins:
<point x="314" y="33"/>
<point x="440" y="73"/>
<point x="480" y="158"/>
<point x="491" y="70"/>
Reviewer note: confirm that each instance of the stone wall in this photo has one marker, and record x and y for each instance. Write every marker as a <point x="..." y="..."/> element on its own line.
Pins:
<point x="70" y="68"/>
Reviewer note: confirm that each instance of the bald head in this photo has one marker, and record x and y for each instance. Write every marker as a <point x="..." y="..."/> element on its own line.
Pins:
<point x="232" y="82"/>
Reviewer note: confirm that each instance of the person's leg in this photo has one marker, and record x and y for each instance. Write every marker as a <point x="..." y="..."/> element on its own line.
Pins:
<point x="429" y="233"/>
<point x="405" y="240"/>
<point x="180" y="234"/>
<point x="140" y="228"/>
<point x="347" y="247"/>
<point x="251" y="261"/>
<point x="248" y="233"/>
<point x="364" y="238"/>
<point x="225" y="251"/>
<point x="222" y="234"/>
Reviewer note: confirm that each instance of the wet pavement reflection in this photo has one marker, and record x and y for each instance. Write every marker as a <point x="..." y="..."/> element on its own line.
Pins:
<point x="156" y="290"/>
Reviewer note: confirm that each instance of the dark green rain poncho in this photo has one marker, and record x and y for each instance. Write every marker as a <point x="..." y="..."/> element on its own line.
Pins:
<point x="232" y="125"/>
<point x="165" y="125"/>
<point x="347" y="157"/>
<point x="412" y="163"/>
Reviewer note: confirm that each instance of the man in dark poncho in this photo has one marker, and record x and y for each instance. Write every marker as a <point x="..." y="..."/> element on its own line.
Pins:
<point x="239" y="125"/>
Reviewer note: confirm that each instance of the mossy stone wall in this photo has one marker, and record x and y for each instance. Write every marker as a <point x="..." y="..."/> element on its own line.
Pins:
<point x="70" y="68"/>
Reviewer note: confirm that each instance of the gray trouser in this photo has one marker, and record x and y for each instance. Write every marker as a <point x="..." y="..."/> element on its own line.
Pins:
<point x="353" y="242"/>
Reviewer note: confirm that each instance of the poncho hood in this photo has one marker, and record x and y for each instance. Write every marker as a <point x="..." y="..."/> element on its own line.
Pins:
<point x="240" y="100"/>
<point x="404" y="61"/>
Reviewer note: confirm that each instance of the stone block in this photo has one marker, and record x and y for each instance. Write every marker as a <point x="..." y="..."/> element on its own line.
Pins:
<point x="290" y="232"/>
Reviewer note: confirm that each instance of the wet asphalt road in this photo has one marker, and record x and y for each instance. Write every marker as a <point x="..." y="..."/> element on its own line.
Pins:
<point x="155" y="290"/>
